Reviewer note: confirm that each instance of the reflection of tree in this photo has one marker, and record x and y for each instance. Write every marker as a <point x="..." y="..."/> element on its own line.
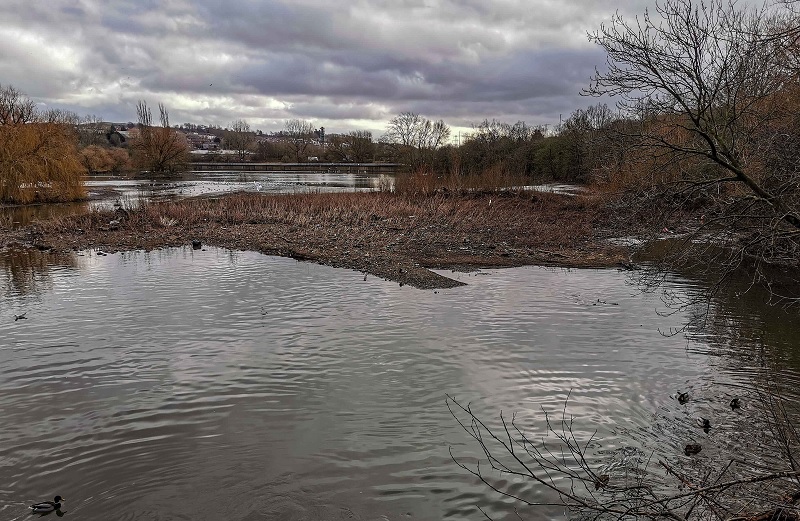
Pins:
<point x="24" y="215"/>
<point x="28" y="271"/>
<point x="744" y="466"/>
<point x="728" y="314"/>
<point x="745" y="469"/>
<point x="742" y="327"/>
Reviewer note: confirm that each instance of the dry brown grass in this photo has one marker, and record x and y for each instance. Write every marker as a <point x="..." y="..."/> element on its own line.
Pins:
<point x="519" y="217"/>
<point x="425" y="182"/>
<point x="389" y="235"/>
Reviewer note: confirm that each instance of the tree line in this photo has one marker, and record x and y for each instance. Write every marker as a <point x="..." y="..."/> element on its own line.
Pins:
<point x="707" y="97"/>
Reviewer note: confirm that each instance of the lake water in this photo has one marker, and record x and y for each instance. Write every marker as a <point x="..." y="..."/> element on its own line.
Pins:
<point x="108" y="191"/>
<point x="208" y="385"/>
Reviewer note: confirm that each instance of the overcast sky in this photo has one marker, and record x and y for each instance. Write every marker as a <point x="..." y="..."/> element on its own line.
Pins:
<point x="343" y="64"/>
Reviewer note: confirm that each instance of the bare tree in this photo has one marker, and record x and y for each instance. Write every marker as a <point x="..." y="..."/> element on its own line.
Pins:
<point x="15" y="107"/>
<point x="299" y="136"/>
<point x="495" y="146"/>
<point x="587" y="140"/>
<point x="158" y="149"/>
<point x="354" y="147"/>
<point x="239" y="138"/>
<point x="415" y="137"/>
<point x="362" y="148"/>
<point x="710" y="91"/>
<point x="559" y="469"/>
<point x="92" y="131"/>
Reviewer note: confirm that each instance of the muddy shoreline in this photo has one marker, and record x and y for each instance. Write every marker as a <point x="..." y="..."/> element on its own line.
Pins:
<point x="394" y="237"/>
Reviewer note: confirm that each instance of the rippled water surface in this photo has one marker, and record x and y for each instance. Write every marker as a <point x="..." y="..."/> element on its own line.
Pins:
<point x="208" y="385"/>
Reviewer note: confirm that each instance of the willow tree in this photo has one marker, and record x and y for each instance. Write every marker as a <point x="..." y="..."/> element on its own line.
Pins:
<point x="158" y="149"/>
<point x="39" y="160"/>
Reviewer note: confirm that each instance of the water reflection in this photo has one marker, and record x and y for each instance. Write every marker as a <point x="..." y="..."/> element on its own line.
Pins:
<point x="192" y="184"/>
<point x="742" y="321"/>
<point x="13" y="216"/>
<point x="276" y="389"/>
<point x="29" y="272"/>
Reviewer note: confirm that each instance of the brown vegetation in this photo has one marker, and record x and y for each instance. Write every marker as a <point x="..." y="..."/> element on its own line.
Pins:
<point x="158" y="149"/>
<point x="38" y="154"/>
<point x="97" y="159"/>
<point x="709" y="128"/>
<point x="395" y="237"/>
<point x="425" y="181"/>
<point x="39" y="163"/>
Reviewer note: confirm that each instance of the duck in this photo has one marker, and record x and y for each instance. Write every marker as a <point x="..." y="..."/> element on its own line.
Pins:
<point x="705" y="423"/>
<point x="682" y="397"/>
<point x="47" y="506"/>
<point x="601" y="481"/>
<point x="736" y="404"/>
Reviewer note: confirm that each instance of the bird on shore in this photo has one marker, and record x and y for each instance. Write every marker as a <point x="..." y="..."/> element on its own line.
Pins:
<point x="736" y="404"/>
<point x="682" y="397"/>
<point x="704" y="423"/>
<point x="46" y="507"/>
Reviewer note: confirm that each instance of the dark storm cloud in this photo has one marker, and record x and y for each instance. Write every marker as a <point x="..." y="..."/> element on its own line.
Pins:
<point x="352" y="63"/>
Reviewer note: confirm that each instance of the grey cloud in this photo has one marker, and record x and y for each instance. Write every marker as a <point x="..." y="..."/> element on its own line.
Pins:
<point x="365" y="60"/>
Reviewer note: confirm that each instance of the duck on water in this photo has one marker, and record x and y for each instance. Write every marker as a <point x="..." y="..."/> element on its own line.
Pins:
<point x="45" y="507"/>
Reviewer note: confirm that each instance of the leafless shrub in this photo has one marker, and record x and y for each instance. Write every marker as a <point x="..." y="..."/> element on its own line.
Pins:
<point x="642" y="484"/>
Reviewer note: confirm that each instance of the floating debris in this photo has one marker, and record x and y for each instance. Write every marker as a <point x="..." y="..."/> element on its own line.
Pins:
<point x="692" y="449"/>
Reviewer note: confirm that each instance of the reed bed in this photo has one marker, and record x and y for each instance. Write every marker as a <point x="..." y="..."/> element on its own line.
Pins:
<point x="566" y="219"/>
<point x="395" y="236"/>
<point x="425" y="181"/>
